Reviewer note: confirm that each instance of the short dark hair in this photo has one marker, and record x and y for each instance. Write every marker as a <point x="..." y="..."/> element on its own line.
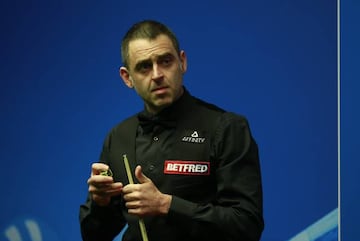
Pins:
<point x="147" y="29"/>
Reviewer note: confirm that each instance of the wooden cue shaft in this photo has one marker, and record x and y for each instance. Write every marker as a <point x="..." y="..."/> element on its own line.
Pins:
<point x="131" y="181"/>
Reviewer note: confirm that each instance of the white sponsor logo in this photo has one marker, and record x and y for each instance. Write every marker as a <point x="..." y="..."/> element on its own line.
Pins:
<point x="186" y="167"/>
<point x="194" y="138"/>
<point x="195" y="134"/>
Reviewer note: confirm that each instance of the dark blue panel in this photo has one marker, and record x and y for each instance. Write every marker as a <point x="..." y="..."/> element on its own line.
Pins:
<point x="350" y="119"/>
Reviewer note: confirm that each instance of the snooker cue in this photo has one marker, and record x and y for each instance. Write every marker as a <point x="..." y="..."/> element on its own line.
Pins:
<point x="131" y="181"/>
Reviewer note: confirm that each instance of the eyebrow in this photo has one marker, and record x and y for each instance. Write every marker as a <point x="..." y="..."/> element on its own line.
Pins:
<point x="143" y="62"/>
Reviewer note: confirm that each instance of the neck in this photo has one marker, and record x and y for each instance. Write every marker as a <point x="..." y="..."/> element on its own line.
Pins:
<point x="157" y="109"/>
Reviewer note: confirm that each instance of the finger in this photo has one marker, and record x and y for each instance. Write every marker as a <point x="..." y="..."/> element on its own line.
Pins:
<point x="140" y="176"/>
<point x="113" y="193"/>
<point x="106" y="190"/>
<point x="140" y="212"/>
<point x="133" y="204"/>
<point x="115" y="189"/>
<point x="103" y="197"/>
<point x="131" y="188"/>
<point x="97" y="168"/>
<point x="99" y="180"/>
<point x="131" y="195"/>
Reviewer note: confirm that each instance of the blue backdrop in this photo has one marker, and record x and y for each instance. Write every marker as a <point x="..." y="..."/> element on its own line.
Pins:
<point x="273" y="61"/>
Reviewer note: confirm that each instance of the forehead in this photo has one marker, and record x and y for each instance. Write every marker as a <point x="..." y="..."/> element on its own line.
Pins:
<point x="140" y="49"/>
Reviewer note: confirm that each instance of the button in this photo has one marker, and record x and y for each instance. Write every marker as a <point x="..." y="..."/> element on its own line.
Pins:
<point x="156" y="138"/>
<point x="151" y="168"/>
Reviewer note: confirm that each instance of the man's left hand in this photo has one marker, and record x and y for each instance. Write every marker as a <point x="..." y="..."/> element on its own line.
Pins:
<point x="144" y="198"/>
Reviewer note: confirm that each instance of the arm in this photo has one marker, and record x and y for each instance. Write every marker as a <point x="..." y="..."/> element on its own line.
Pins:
<point x="237" y="210"/>
<point x="100" y="223"/>
<point x="100" y="216"/>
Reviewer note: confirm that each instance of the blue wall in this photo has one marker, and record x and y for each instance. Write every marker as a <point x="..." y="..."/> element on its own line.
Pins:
<point x="273" y="61"/>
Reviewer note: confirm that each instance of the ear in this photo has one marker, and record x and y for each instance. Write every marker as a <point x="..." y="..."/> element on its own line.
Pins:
<point x="183" y="61"/>
<point x="125" y="75"/>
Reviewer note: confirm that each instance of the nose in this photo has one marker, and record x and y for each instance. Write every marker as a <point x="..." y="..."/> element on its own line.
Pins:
<point x="156" y="73"/>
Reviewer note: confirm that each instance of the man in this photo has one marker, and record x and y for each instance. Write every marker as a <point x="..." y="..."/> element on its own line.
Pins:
<point x="195" y="166"/>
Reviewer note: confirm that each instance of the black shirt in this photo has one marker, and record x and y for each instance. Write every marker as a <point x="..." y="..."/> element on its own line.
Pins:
<point x="204" y="157"/>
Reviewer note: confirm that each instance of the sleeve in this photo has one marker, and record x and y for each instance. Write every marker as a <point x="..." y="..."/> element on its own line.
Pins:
<point x="236" y="213"/>
<point x="101" y="223"/>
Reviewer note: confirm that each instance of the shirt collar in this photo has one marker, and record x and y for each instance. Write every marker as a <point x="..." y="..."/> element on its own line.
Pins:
<point x="168" y="116"/>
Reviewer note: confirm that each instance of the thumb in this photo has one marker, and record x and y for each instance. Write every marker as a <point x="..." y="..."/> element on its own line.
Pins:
<point x="140" y="176"/>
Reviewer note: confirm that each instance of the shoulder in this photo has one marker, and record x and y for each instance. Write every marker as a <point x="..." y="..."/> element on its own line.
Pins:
<point x="224" y="116"/>
<point x="231" y="123"/>
<point x="199" y="103"/>
<point x="231" y="117"/>
<point x="126" y="122"/>
<point x="127" y="125"/>
<point x="116" y="134"/>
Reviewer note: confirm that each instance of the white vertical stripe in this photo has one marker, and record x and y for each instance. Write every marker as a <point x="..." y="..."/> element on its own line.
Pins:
<point x="338" y="116"/>
<point x="12" y="233"/>
<point x="34" y="230"/>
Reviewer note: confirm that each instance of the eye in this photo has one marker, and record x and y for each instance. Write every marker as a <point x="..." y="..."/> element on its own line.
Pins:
<point x="166" y="60"/>
<point x="144" y="67"/>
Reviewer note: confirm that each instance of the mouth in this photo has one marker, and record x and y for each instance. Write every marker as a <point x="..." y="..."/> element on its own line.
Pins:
<point x="159" y="89"/>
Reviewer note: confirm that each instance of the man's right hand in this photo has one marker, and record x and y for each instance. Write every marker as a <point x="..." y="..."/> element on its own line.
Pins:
<point x="102" y="188"/>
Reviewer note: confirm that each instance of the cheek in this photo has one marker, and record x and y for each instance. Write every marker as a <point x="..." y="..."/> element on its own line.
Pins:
<point x="178" y="77"/>
<point x="140" y="85"/>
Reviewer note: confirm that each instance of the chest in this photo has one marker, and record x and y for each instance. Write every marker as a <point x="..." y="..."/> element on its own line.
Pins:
<point x="178" y="161"/>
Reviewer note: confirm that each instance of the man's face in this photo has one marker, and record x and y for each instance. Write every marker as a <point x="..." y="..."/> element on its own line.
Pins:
<point x="155" y="71"/>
